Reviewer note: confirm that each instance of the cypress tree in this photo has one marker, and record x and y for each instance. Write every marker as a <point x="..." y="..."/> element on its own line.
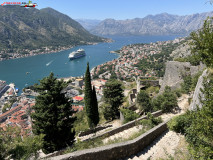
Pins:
<point x="53" y="115"/>
<point x="90" y="99"/>
<point x="95" y="107"/>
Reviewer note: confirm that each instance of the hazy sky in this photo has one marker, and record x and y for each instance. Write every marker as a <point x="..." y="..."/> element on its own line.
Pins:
<point x="123" y="9"/>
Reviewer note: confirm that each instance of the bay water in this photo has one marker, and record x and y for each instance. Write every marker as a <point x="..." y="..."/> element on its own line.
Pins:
<point x="27" y="71"/>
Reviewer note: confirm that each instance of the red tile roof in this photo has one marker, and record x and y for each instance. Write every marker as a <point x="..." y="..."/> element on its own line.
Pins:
<point x="78" y="98"/>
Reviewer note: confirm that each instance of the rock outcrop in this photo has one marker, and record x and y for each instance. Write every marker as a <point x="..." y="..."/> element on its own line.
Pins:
<point x="181" y="51"/>
<point x="197" y="93"/>
<point x="175" y="72"/>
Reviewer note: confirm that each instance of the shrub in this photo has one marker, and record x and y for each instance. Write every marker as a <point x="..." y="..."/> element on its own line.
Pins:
<point x="107" y="111"/>
<point x="178" y="92"/>
<point x="129" y="115"/>
<point x="180" y="123"/>
<point x="144" y="101"/>
<point x="155" y="121"/>
<point x="166" y="102"/>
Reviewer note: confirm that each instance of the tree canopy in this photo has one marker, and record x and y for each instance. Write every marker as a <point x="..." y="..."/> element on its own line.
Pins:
<point x="53" y="115"/>
<point x="113" y="95"/>
<point x="202" y="40"/>
<point x="144" y="101"/>
<point x="90" y="99"/>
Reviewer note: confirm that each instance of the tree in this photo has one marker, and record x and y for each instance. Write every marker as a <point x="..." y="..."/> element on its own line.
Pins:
<point x="90" y="99"/>
<point x="95" y="107"/>
<point x="113" y="75"/>
<point x="113" y="95"/>
<point x="186" y="86"/>
<point x="202" y="40"/>
<point x="167" y="101"/>
<point x="144" y="101"/>
<point x="53" y="115"/>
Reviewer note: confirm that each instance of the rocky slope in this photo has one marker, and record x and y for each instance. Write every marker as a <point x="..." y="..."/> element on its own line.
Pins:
<point x="22" y="28"/>
<point x="161" y="24"/>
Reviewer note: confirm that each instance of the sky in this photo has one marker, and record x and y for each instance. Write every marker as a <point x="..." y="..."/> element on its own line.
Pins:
<point x="122" y="9"/>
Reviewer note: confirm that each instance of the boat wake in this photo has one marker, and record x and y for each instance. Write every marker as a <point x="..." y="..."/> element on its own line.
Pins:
<point x="49" y="63"/>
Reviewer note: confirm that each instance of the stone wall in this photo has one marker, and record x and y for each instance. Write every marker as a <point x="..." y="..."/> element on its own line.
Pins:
<point x="126" y="126"/>
<point x="118" y="150"/>
<point x="93" y="130"/>
<point x="197" y="93"/>
<point x="111" y="132"/>
<point x="175" y="72"/>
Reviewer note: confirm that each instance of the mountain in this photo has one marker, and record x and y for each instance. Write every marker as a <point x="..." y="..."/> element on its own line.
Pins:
<point x="22" y="28"/>
<point x="160" y="24"/>
<point x="88" y="23"/>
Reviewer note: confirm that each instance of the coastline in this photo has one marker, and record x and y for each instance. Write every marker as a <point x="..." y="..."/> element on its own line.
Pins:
<point x="36" y="54"/>
<point x="32" y="52"/>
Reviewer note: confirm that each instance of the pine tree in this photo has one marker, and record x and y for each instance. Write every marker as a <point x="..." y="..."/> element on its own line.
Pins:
<point x="113" y="95"/>
<point x="53" y="115"/>
<point x="90" y="99"/>
<point x="95" y="107"/>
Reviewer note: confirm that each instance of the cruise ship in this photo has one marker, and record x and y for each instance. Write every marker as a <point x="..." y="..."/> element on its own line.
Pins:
<point x="77" y="54"/>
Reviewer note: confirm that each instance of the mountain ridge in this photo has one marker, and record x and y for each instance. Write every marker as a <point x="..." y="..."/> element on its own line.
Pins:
<point x="24" y="29"/>
<point x="160" y="24"/>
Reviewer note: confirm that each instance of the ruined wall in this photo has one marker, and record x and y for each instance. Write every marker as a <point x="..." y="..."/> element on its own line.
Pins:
<point x="175" y="72"/>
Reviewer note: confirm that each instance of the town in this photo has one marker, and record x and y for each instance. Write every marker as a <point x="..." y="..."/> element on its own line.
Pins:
<point x="132" y="58"/>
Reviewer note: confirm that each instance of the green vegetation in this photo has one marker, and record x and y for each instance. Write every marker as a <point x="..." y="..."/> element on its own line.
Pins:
<point x="53" y="115"/>
<point x="156" y="62"/>
<point x="81" y="123"/>
<point x="92" y="143"/>
<point x="129" y="115"/>
<point x="166" y="102"/>
<point x="97" y="142"/>
<point x="90" y="99"/>
<point x="144" y="101"/>
<point x="186" y="86"/>
<point x="152" y="90"/>
<point x="151" y="120"/>
<point x="197" y="125"/>
<point x="18" y="147"/>
<point x="194" y="60"/>
<point x="190" y="83"/>
<point x="95" y="107"/>
<point x="113" y="96"/>
<point x="23" y="40"/>
<point x="202" y="43"/>
<point x="6" y="108"/>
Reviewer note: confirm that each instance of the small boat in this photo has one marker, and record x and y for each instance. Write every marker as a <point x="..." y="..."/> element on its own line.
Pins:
<point x="17" y="90"/>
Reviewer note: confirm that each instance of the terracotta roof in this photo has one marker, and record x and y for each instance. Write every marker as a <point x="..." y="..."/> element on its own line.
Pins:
<point x="10" y="111"/>
<point x="78" y="98"/>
